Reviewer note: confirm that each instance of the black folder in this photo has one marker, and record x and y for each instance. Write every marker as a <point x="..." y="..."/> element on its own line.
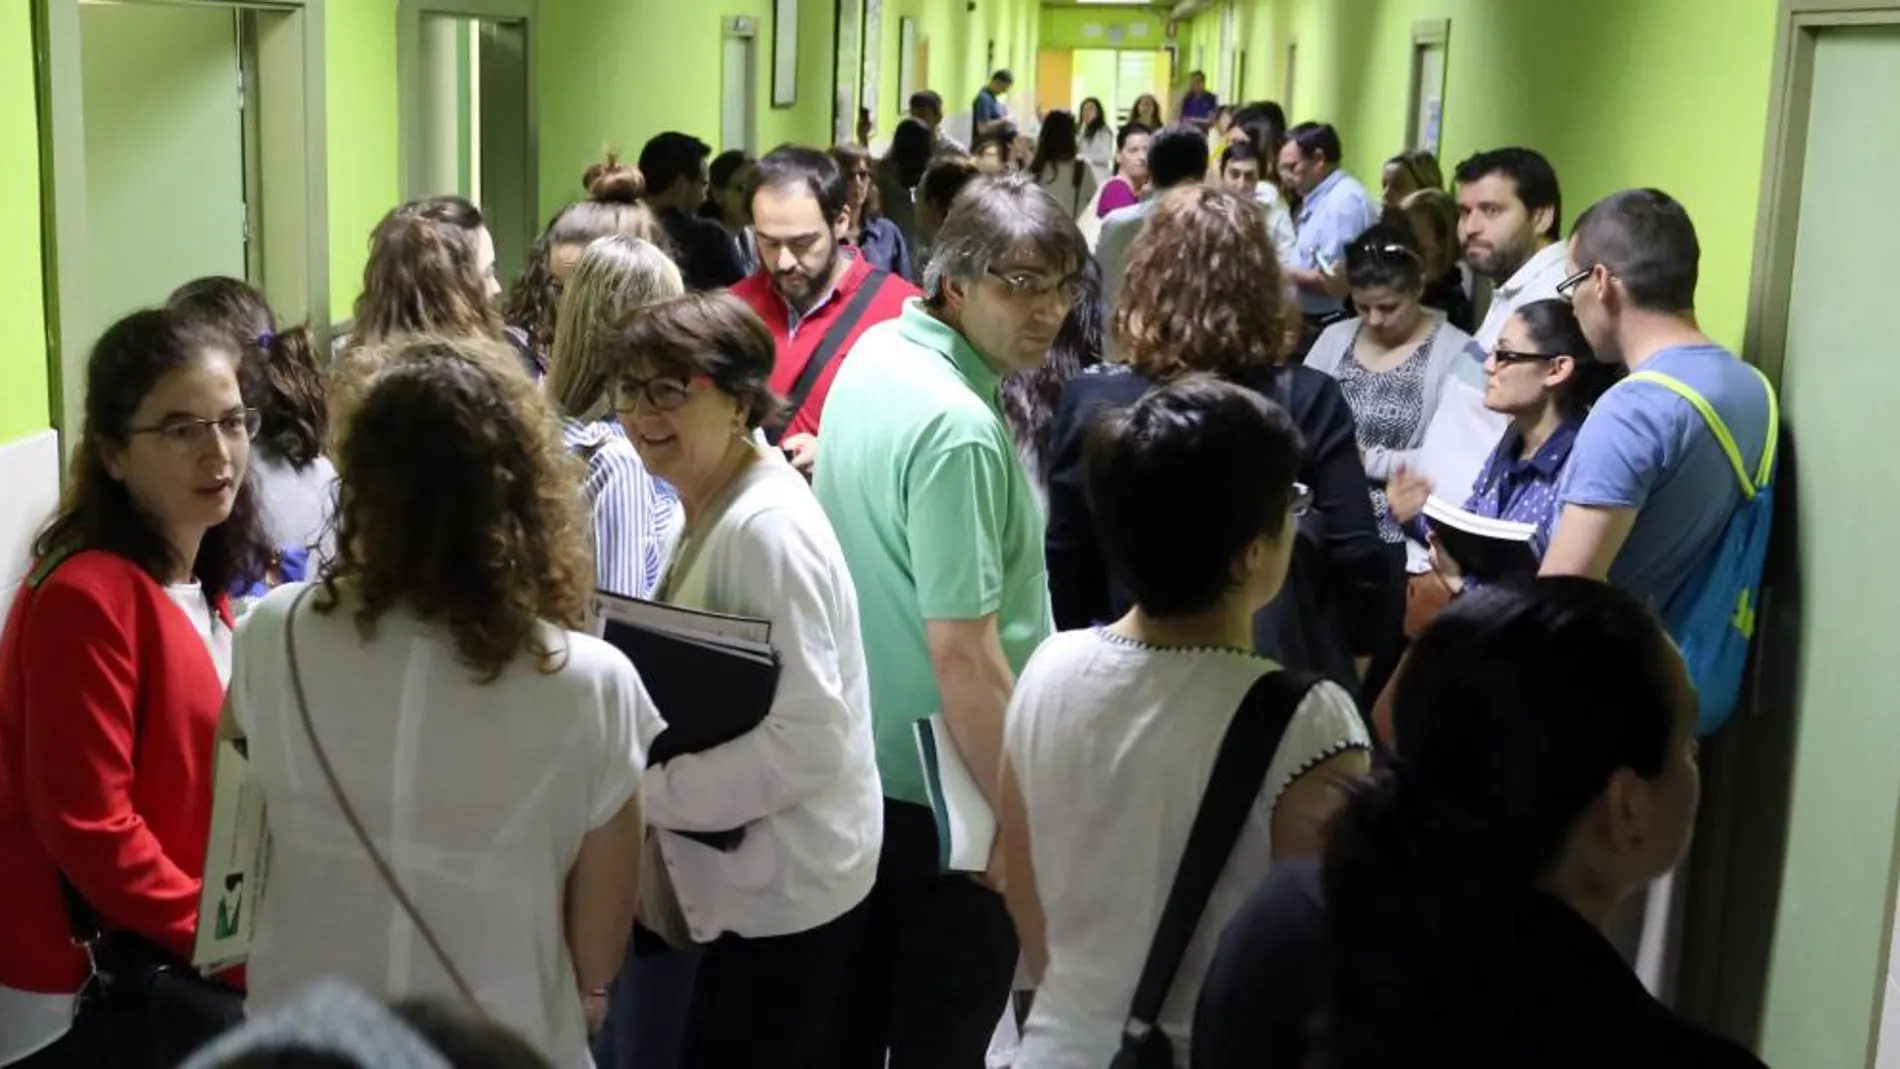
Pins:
<point x="712" y="677"/>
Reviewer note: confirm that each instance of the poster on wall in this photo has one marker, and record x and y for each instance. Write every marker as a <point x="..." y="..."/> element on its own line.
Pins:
<point x="873" y="56"/>
<point x="847" y="52"/>
<point x="1428" y="136"/>
<point x="784" y="53"/>
<point x="906" y="62"/>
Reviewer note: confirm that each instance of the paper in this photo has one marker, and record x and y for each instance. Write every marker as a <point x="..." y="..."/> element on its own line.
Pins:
<point x="236" y="860"/>
<point x="733" y="631"/>
<point x="966" y="826"/>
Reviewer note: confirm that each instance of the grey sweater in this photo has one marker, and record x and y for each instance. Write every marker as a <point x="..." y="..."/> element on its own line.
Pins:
<point x="1449" y="346"/>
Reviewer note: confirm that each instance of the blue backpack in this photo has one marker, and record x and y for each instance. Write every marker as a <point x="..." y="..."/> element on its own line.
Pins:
<point x="1713" y="618"/>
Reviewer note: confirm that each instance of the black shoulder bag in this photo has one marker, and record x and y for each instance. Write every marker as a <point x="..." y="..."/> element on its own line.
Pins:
<point x="829" y="345"/>
<point x="143" y="1007"/>
<point x="1240" y="770"/>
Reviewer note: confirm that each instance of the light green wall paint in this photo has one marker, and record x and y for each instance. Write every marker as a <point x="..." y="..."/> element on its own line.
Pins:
<point x="361" y="112"/>
<point x="1621" y="103"/>
<point x="24" y="401"/>
<point x="1090" y="26"/>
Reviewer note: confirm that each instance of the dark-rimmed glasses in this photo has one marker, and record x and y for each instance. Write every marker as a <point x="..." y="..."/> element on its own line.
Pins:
<point x="188" y="434"/>
<point x="662" y="393"/>
<point x="1518" y="356"/>
<point x="1567" y="289"/>
<point x="1031" y="287"/>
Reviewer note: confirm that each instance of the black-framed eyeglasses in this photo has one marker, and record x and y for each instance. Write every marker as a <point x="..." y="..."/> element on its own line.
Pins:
<point x="1518" y="356"/>
<point x="1029" y="286"/>
<point x="1301" y="502"/>
<point x="662" y="393"/>
<point x="188" y="434"/>
<point x="1567" y="289"/>
<point x="1387" y="251"/>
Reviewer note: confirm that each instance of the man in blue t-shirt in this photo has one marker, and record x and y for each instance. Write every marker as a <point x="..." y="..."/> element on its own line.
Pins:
<point x="987" y="113"/>
<point x="1648" y="489"/>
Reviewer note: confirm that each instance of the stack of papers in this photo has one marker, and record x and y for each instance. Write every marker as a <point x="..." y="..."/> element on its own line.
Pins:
<point x="966" y="826"/>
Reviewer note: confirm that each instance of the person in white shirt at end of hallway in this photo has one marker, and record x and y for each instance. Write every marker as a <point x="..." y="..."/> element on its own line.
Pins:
<point x="1114" y="731"/>
<point x="778" y="913"/>
<point x="452" y="770"/>
<point x="1510" y="224"/>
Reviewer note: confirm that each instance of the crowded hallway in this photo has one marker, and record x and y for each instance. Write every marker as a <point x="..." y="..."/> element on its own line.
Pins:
<point x="864" y="535"/>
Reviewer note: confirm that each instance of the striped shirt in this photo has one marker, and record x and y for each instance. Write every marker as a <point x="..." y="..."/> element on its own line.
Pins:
<point x="634" y="513"/>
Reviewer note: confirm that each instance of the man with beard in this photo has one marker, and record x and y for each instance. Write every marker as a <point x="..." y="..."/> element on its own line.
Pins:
<point x="814" y="294"/>
<point x="1510" y="222"/>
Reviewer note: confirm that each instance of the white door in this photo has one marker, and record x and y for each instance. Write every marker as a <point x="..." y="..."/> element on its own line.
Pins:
<point x="1830" y="973"/>
<point x="738" y="93"/>
<point x="164" y="126"/>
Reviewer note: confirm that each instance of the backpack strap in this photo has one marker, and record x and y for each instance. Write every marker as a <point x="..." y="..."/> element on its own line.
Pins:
<point x="1240" y="770"/>
<point x="830" y="344"/>
<point x="1719" y="428"/>
<point x="50" y="563"/>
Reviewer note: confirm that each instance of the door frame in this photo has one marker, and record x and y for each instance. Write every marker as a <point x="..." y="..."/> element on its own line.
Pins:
<point x="1426" y="33"/>
<point x="1741" y="836"/>
<point x="63" y="181"/>
<point x="409" y="16"/>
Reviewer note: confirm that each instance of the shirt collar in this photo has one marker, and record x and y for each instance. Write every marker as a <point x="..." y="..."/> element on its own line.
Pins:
<point x="1549" y="459"/>
<point x="854" y="273"/>
<point x="576" y="434"/>
<point x="921" y="328"/>
<point x="1549" y="258"/>
<point x="1319" y="191"/>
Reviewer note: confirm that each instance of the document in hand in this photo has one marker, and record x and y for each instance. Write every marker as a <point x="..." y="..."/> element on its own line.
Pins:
<point x="235" y="862"/>
<point x="711" y="676"/>
<point x="966" y="826"/>
<point x="1493" y="550"/>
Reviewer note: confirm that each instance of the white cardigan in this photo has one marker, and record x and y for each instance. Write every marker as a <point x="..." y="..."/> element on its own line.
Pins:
<point x="804" y="783"/>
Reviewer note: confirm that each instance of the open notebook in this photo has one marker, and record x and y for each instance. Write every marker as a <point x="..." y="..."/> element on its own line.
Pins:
<point x="1492" y="550"/>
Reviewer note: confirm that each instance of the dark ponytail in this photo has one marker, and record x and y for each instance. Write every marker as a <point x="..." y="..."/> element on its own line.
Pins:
<point x="1508" y="726"/>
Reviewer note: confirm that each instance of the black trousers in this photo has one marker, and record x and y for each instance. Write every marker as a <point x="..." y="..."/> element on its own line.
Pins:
<point x="74" y="1050"/>
<point x="933" y="969"/>
<point x="769" y="1001"/>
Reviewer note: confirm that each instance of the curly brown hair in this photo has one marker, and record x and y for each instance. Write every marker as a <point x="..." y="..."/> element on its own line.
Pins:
<point x="458" y="501"/>
<point x="424" y="275"/>
<point x="1204" y="290"/>
<point x="279" y="372"/>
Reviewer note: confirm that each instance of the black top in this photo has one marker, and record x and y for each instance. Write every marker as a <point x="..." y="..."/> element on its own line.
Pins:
<point x="1447" y="294"/>
<point x="707" y="256"/>
<point x="1550" y="993"/>
<point x="1337" y="601"/>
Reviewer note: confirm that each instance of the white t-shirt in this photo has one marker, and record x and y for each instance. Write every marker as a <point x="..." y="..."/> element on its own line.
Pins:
<point x="477" y="795"/>
<point x="1112" y="743"/>
<point x="1072" y="184"/>
<point x="296" y="505"/>
<point x="804" y="783"/>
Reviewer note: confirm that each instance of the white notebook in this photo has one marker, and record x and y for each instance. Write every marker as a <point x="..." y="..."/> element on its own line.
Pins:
<point x="235" y="862"/>
<point x="966" y="827"/>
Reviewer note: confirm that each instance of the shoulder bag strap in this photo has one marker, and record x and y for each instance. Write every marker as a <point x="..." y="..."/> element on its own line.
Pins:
<point x="349" y="812"/>
<point x="834" y="339"/>
<point x="1240" y="770"/>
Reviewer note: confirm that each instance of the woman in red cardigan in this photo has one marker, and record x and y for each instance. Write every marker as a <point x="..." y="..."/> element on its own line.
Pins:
<point x="112" y="671"/>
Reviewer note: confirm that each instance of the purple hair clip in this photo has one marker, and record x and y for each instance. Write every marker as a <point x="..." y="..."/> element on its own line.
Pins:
<point x="264" y="339"/>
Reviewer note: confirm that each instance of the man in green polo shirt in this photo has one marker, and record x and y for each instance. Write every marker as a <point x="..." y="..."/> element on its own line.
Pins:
<point x="943" y="537"/>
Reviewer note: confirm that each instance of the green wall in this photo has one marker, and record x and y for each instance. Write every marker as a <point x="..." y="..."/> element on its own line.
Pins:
<point x="361" y="114"/>
<point x="24" y="401"/>
<point x="1092" y="26"/>
<point x="1615" y="99"/>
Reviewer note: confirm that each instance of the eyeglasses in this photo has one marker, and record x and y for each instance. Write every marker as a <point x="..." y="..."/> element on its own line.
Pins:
<point x="1515" y="356"/>
<point x="1567" y="289"/>
<point x="662" y="393"/>
<point x="185" y="434"/>
<point x="1387" y="251"/>
<point x="1302" y="502"/>
<point x="1026" y="286"/>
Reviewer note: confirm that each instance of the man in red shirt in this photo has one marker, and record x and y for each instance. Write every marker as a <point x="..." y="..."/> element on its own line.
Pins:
<point x="815" y="295"/>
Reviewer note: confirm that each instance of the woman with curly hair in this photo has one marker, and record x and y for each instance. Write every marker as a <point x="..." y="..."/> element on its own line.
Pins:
<point x="281" y="378"/>
<point x="452" y="769"/>
<point x="431" y="270"/>
<point x="1204" y="293"/>
<point x="613" y="206"/>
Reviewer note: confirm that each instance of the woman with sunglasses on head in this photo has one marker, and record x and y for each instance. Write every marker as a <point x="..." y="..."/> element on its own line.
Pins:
<point x="1392" y="361"/>
<point x="1113" y="731"/>
<point x="778" y="913"/>
<point x="879" y="241"/>
<point x="113" y="665"/>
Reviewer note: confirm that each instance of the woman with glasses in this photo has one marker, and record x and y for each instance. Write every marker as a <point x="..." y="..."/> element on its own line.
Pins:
<point x="1392" y="361"/>
<point x="1113" y="731"/>
<point x="633" y="514"/>
<point x="452" y="768"/>
<point x="1176" y="316"/>
<point x="878" y="240"/>
<point x="777" y="914"/>
<point x="113" y="665"/>
<point x="1544" y="376"/>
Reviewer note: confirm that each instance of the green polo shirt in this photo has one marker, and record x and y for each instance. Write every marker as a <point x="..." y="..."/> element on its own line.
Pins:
<point x="921" y="480"/>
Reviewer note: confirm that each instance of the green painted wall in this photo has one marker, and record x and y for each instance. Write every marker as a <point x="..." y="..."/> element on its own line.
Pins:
<point x="1092" y="26"/>
<point x="361" y="114"/>
<point x="1690" y="121"/>
<point x="24" y="404"/>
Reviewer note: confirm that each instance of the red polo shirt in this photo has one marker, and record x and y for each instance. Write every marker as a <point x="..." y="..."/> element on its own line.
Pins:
<point x="796" y="346"/>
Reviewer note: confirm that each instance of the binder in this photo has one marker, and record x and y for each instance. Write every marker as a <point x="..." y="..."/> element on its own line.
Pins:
<point x="966" y="826"/>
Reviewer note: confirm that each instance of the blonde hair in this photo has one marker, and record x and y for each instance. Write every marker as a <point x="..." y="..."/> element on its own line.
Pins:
<point x="616" y="275"/>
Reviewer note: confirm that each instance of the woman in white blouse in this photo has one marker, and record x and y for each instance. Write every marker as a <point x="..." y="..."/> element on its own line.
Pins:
<point x="1096" y="137"/>
<point x="778" y="914"/>
<point x="452" y="771"/>
<point x="1112" y="732"/>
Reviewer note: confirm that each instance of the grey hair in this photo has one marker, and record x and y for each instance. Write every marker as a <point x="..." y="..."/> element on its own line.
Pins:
<point x="613" y="277"/>
<point x="997" y="215"/>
